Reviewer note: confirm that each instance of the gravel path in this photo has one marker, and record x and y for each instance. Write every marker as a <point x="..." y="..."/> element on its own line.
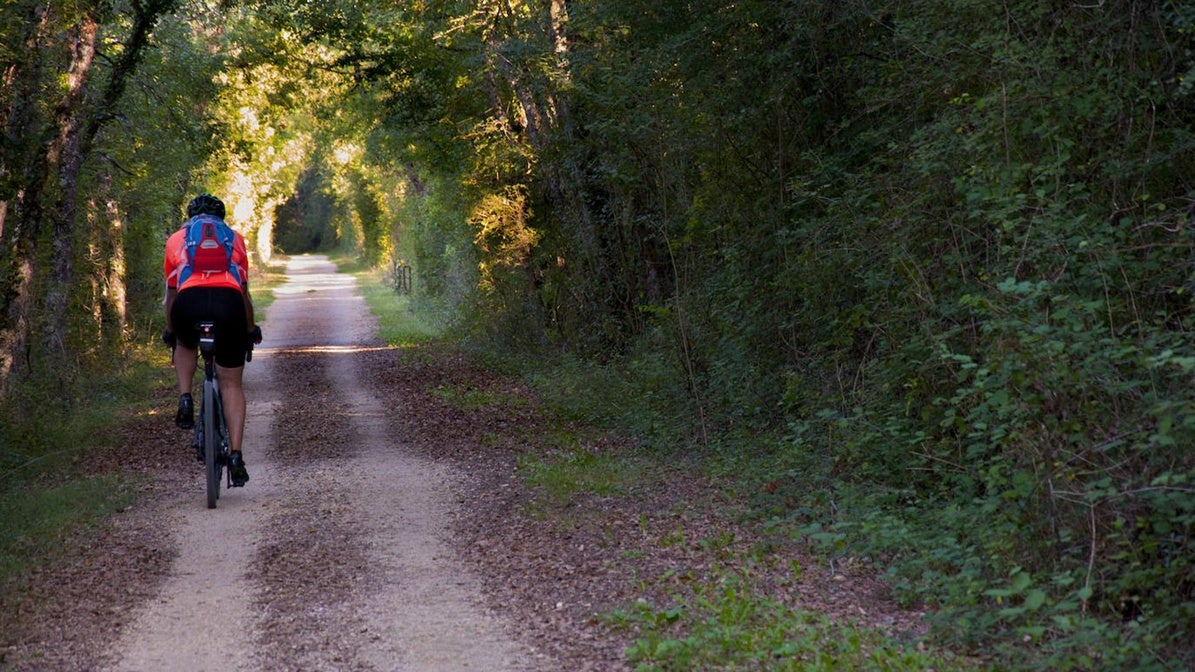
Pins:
<point x="334" y="555"/>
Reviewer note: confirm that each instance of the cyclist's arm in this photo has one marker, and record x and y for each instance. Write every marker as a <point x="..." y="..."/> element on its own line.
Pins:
<point x="170" y="269"/>
<point x="248" y="307"/>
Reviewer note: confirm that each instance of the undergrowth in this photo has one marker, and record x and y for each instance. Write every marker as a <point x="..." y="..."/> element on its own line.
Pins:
<point x="925" y="542"/>
<point x="562" y="475"/>
<point x="44" y="494"/>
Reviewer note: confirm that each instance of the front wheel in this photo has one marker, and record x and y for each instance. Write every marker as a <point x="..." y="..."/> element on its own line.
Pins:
<point x="211" y="445"/>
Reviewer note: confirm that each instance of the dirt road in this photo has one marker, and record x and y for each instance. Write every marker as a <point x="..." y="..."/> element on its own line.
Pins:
<point x="335" y="555"/>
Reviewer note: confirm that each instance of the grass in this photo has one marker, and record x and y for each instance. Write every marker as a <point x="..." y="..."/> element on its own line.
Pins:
<point x="564" y="475"/>
<point x="262" y="281"/>
<point x="37" y="520"/>
<point x="467" y="398"/>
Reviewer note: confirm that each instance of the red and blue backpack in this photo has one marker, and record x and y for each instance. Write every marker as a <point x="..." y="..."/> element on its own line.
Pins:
<point x="208" y="244"/>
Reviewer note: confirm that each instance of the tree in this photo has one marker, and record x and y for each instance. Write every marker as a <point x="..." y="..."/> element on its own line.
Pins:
<point x="53" y="131"/>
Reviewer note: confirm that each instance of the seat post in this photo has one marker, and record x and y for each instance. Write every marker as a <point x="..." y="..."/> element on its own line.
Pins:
<point x="207" y="347"/>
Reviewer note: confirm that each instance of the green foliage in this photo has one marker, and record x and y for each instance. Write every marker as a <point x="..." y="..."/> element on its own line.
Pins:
<point x="92" y="177"/>
<point x="943" y="253"/>
<point x="42" y="429"/>
<point x="304" y="222"/>
<point x="640" y="396"/>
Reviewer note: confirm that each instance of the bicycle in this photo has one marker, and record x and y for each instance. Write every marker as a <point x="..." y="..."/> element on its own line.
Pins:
<point x="211" y="432"/>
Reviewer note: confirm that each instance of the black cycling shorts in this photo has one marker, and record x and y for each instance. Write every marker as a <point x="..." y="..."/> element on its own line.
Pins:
<point x="222" y="305"/>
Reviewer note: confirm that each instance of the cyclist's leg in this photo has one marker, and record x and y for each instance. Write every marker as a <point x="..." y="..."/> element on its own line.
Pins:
<point x="232" y="400"/>
<point x="186" y="353"/>
<point x="232" y="397"/>
<point x="185" y="312"/>
<point x="184" y="367"/>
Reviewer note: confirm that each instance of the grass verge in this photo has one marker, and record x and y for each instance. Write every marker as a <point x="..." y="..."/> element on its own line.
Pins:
<point x="37" y="520"/>
<point x="263" y="279"/>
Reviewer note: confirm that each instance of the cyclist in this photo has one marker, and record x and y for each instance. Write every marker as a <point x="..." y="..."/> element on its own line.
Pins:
<point x="222" y="298"/>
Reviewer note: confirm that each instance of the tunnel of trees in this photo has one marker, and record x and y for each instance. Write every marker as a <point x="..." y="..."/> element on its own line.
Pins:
<point x="931" y="261"/>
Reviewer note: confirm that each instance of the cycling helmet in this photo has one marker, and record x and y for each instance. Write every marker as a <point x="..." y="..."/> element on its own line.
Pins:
<point x="205" y="204"/>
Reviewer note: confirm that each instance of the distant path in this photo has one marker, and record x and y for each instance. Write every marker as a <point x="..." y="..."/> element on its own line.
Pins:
<point x="335" y="556"/>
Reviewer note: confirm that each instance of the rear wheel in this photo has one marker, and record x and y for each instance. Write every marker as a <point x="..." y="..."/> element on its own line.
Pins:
<point x="211" y="444"/>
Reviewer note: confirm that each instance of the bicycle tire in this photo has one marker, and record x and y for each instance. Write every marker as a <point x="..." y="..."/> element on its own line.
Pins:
<point x="211" y="444"/>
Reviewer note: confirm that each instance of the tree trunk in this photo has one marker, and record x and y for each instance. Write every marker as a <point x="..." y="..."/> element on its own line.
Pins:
<point x="68" y="153"/>
<point x="21" y="164"/>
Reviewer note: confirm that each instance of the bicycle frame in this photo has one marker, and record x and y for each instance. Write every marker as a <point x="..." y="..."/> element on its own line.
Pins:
<point x="210" y="432"/>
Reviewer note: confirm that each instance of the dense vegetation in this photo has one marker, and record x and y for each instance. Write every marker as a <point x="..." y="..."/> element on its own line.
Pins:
<point x="921" y="270"/>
